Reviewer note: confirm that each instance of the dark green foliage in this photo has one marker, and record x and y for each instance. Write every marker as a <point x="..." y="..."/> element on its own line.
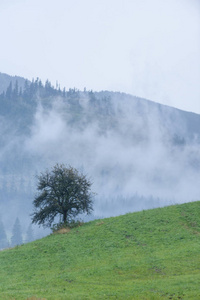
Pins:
<point x="62" y="192"/>
<point x="16" y="234"/>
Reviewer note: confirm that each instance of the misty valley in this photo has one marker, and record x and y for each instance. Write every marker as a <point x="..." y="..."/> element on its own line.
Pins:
<point x="138" y="154"/>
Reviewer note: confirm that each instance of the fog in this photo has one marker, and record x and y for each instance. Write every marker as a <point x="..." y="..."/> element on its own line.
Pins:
<point x="138" y="154"/>
<point x="129" y="150"/>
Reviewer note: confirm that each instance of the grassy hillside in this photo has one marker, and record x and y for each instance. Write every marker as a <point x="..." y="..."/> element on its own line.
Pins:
<point x="152" y="254"/>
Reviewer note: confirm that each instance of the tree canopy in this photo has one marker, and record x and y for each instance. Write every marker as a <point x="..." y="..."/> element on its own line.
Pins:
<point x="63" y="192"/>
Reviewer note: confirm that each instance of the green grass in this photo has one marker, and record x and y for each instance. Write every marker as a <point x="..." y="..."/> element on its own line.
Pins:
<point x="153" y="254"/>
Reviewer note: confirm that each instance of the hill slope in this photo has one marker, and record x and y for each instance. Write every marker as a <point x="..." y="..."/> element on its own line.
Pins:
<point x="152" y="254"/>
<point x="138" y="153"/>
<point x="5" y="80"/>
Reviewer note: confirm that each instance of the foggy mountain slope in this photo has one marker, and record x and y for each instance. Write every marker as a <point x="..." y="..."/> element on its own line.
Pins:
<point x="182" y="121"/>
<point x="5" y="80"/>
<point x="138" y="153"/>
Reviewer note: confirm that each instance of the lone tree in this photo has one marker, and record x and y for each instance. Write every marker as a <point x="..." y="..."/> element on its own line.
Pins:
<point x="62" y="192"/>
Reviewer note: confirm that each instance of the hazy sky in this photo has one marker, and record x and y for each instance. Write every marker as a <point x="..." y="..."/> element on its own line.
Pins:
<point x="148" y="48"/>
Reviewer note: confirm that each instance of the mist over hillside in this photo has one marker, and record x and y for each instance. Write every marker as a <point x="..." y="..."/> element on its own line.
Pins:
<point x="139" y="154"/>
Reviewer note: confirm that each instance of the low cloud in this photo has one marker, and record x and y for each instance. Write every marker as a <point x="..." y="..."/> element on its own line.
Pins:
<point x="130" y="151"/>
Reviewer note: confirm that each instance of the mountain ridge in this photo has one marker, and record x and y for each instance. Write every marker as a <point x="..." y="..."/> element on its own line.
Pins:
<point x="139" y="154"/>
<point x="5" y="80"/>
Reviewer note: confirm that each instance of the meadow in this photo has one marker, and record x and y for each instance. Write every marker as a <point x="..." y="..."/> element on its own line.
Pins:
<point x="152" y="254"/>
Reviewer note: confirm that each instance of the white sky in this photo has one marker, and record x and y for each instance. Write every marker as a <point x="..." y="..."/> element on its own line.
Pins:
<point x="148" y="48"/>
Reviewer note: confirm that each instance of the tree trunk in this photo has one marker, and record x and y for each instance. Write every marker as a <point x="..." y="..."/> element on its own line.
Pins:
<point x="64" y="216"/>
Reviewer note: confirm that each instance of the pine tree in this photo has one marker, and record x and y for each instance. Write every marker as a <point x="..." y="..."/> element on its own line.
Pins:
<point x="26" y="91"/>
<point x="16" y="90"/>
<point x="20" y="92"/>
<point x="16" y="234"/>
<point x="3" y="237"/>
<point x="9" y="91"/>
<point x="29" y="234"/>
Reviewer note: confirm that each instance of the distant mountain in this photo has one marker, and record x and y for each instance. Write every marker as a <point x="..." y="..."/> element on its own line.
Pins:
<point x="6" y="79"/>
<point x="181" y="123"/>
<point x="139" y="154"/>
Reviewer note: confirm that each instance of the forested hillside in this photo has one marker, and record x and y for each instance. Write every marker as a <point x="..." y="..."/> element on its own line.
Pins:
<point x="138" y="153"/>
<point x="6" y="79"/>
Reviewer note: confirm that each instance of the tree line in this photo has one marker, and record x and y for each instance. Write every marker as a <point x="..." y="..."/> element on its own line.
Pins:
<point x="17" y="235"/>
<point x="32" y="90"/>
<point x="36" y="88"/>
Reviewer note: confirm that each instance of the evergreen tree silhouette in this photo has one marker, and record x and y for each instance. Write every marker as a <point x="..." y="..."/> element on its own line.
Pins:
<point x="3" y="237"/>
<point x="29" y="234"/>
<point x="9" y="91"/>
<point x="16" y="234"/>
<point x="16" y="90"/>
